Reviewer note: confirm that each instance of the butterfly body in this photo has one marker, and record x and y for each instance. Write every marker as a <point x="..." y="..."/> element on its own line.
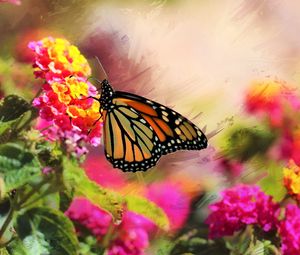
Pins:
<point x="138" y="131"/>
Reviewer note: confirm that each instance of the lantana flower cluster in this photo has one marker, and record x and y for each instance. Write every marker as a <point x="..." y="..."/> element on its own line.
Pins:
<point x="66" y="110"/>
<point x="289" y="231"/>
<point x="240" y="206"/>
<point x="278" y="104"/>
<point x="292" y="180"/>
<point x="272" y="99"/>
<point x="245" y="205"/>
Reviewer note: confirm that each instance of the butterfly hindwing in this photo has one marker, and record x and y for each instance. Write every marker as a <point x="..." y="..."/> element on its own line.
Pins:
<point x="130" y="143"/>
<point x="174" y="131"/>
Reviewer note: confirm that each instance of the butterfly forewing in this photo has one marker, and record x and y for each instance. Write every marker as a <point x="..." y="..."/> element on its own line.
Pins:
<point x="174" y="131"/>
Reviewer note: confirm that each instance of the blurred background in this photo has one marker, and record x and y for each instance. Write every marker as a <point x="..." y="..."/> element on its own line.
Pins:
<point x="197" y="57"/>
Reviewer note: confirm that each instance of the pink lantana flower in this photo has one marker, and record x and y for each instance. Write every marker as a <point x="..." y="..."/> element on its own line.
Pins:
<point x="171" y="198"/>
<point x="131" y="237"/>
<point x="64" y="104"/>
<point x="56" y="59"/>
<point x="289" y="231"/>
<point x="90" y="216"/>
<point x="272" y="99"/>
<point x="240" y="206"/>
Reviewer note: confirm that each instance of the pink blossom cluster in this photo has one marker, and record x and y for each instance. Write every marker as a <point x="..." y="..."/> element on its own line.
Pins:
<point x="89" y="216"/>
<point x="245" y="205"/>
<point x="240" y="206"/>
<point x="131" y="237"/>
<point x="66" y="110"/>
<point x="277" y="103"/>
<point x="289" y="231"/>
<point x="273" y="100"/>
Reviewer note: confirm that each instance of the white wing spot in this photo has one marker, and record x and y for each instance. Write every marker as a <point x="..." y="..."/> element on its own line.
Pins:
<point x="165" y="113"/>
<point x="165" y="118"/>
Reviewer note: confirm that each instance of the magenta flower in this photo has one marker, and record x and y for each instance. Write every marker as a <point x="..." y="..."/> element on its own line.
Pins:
<point x="90" y="216"/>
<point x="289" y="231"/>
<point x="174" y="202"/>
<point x="131" y="237"/>
<point x="241" y="206"/>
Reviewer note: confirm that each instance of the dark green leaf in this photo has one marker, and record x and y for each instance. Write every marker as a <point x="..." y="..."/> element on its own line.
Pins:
<point x="17" y="166"/>
<point x="245" y="143"/>
<point x="12" y="107"/>
<point x="65" y="199"/>
<point x="46" y="231"/>
<point x="6" y="222"/>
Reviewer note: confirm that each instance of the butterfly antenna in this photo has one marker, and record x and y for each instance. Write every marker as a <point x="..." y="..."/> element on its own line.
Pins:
<point x="102" y="70"/>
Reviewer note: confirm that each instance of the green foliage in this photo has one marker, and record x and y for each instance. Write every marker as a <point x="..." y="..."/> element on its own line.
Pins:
<point x="17" y="165"/>
<point x="90" y="246"/>
<point x="12" y="109"/>
<point x="5" y="222"/>
<point x="245" y="143"/>
<point x="76" y="180"/>
<point x="272" y="184"/>
<point x="193" y="243"/>
<point x="148" y="209"/>
<point x="3" y="251"/>
<point x="42" y="231"/>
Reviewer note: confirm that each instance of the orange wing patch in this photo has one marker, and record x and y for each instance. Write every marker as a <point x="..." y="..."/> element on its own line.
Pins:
<point x="141" y="107"/>
<point x="164" y="127"/>
<point x="155" y="127"/>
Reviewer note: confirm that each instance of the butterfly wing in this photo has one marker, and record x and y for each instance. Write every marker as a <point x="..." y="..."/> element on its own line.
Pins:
<point x="130" y="143"/>
<point x="146" y="130"/>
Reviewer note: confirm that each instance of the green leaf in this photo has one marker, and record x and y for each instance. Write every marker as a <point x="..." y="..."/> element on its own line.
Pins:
<point x="90" y="246"/>
<point x="6" y="222"/>
<point x="245" y="143"/>
<point x="16" y="247"/>
<point x="147" y="208"/>
<point x="44" y="231"/>
<point x="110" y="201"/>
<point x="76" y="180"/>
<point x="65" y="199"/>
<point x="3" y="251"/>
<point x="17" y="166"/>
<point x="272" y="184"/>
<point x="12" y="107"/>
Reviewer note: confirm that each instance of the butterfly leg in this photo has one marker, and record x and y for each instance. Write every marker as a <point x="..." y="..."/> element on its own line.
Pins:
<point x="95" y="122"/>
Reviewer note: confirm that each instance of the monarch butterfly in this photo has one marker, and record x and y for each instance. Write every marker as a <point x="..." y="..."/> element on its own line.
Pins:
<point x="138" y="131"/>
